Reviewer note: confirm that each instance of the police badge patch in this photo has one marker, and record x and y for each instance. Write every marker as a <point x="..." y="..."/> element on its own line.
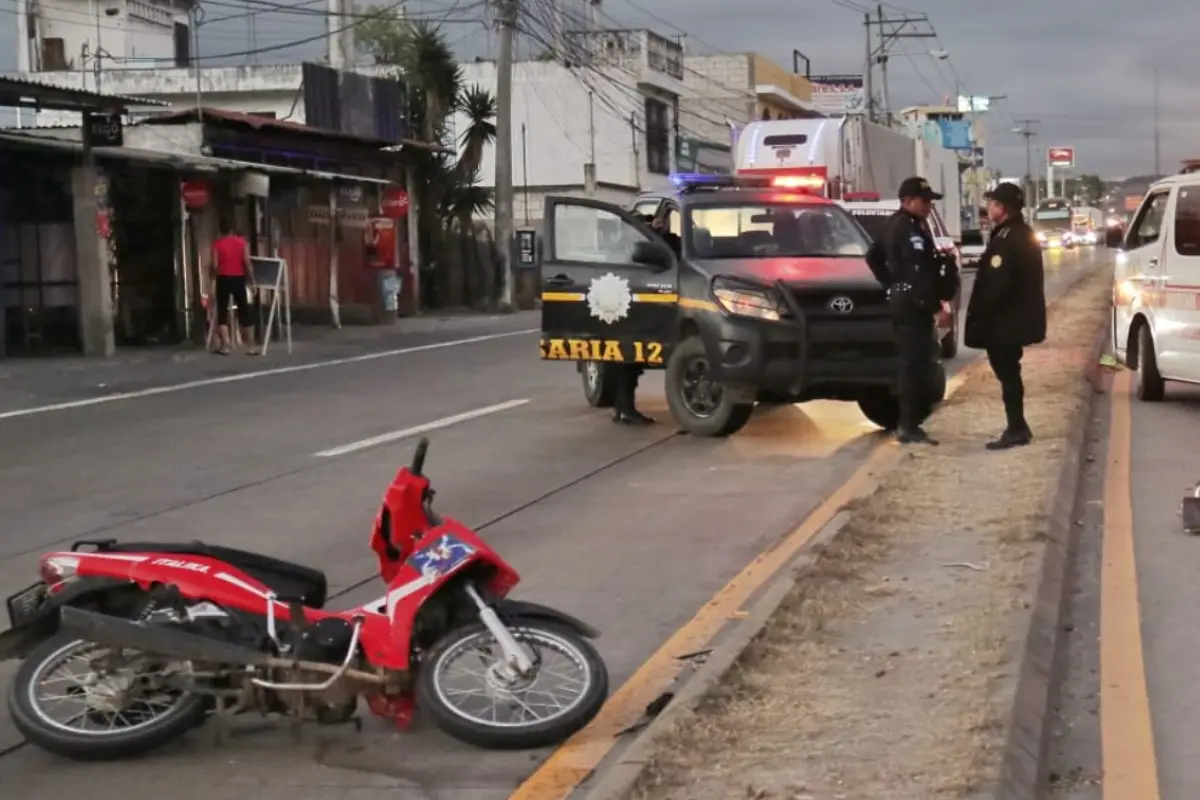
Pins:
<point x="997" y="261"/>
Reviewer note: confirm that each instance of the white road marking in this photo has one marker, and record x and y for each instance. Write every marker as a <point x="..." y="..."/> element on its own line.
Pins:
<point x="444" y="422"/>
<point x="245" y="376"/>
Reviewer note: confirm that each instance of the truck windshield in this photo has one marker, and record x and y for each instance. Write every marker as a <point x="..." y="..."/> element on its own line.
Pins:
<point x="789" y="230"/>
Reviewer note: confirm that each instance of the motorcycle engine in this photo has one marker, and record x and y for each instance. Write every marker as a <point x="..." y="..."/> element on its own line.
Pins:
<point x="326" y="642"/>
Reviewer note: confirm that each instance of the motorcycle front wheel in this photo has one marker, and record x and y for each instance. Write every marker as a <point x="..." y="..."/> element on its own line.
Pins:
<point x="463" y="685"/>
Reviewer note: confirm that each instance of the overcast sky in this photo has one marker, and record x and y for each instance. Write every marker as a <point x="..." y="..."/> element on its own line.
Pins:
<point x="1086" y="74"/>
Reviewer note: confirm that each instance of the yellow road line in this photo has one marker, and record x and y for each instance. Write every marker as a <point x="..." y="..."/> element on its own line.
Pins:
<point x="568" y="766"/>
<point x="1130" y="768"/>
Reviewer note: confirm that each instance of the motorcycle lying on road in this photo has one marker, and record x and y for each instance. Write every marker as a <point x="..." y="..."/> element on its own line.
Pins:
<point x="165" y="635"/>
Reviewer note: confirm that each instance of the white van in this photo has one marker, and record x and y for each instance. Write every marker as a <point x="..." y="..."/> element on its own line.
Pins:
<point x="1156" y="290"/>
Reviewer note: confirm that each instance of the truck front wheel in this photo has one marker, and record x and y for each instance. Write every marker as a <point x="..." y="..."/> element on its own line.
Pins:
<point x="882" y="407"/>
<point x="701" y="405"/>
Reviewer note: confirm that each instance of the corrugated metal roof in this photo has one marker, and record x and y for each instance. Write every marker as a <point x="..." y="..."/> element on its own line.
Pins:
<point x="206" y="163"/>
<point x="63" y="98"/>
<point x="257" y="122"/>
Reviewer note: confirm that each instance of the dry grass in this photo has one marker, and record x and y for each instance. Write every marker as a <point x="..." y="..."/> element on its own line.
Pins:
<point x="889" y="671"/>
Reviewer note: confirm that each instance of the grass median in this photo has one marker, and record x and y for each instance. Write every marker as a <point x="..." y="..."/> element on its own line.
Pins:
<point x="889" y="670"/>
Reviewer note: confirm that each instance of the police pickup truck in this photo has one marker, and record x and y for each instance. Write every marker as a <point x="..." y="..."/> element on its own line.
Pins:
<point x="768" y="299"/>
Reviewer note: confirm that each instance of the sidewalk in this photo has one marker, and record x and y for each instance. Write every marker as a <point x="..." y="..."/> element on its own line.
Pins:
<point x="27" y="382"/>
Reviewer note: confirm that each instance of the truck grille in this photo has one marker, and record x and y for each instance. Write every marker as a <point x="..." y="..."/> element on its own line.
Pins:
<point x="867" y="303"/>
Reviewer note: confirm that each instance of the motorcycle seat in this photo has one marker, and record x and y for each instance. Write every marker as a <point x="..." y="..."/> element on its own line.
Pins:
<point x="291" y="582"/>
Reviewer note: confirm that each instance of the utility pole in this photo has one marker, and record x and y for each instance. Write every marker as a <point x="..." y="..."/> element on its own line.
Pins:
<point x="341" y="34"/>
<point x="891" y="30"/>
<point x="1157" y="153"/>
<point x="868" y="82"/>
<point x="1028" y="133"/>
<point x="507" y="11"/>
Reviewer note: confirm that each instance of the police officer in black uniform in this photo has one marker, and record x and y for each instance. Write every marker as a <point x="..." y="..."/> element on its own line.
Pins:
<point x="627" y="376"/>
<point x="1007" y="310"/>
<point x="905" y="260"/>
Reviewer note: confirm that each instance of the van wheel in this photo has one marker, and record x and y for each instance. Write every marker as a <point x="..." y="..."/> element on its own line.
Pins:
<point x="599" y="388"/>
<point x="700" y="405"/>
<point x="1150" y="384"/>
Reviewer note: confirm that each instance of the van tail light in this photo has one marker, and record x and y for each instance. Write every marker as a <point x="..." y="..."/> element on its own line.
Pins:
<point x="57" y="569"/>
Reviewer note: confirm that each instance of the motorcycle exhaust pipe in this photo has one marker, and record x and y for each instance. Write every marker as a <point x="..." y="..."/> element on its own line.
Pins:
<point x="158" y="640"/>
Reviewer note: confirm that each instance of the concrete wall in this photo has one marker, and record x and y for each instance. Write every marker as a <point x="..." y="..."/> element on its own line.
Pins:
<point x="553" y="105"/>
<point x="717" y="87"/>
<point x="139" y="29"/>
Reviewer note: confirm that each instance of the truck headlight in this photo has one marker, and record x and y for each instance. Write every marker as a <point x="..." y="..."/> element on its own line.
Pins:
<point x="746" y="302"/>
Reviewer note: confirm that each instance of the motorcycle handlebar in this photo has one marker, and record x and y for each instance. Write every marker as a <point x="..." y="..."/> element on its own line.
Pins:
<point x="418" y="462"/>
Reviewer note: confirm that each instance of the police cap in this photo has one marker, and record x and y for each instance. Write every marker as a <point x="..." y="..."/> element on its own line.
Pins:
<point x="1008" y="195"/>
<point x="917" y="187"/>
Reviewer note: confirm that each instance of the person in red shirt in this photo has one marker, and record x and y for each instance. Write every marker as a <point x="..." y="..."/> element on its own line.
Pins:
<point x="231" y="267"/>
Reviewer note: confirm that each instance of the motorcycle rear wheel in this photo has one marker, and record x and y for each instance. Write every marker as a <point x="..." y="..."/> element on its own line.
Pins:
<point x="32" y="719"/>
<point x="435" y="697"/>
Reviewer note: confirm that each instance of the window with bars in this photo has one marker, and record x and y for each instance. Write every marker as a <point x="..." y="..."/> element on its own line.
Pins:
<point x="658" y="137"/>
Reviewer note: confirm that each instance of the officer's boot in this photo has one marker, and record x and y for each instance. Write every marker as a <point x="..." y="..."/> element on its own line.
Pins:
<point x="624" y="410"/>
<point x="1017" y="434"/>
<point x="907" y="432"/>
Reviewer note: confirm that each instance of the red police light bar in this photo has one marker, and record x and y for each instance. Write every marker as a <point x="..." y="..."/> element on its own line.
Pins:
<point x="862" y="197"/>
<point x="798" y="182"/>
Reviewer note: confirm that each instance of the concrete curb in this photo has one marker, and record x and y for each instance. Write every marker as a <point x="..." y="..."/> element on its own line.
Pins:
<point x="1024" y="768"/>
<point x="618" y="779"/>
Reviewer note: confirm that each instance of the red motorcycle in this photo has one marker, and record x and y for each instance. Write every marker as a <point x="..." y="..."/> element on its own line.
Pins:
<point x="163" y="636"/>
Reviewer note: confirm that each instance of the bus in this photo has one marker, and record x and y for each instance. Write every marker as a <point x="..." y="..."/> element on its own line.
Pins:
<point x="1052" y="222"/>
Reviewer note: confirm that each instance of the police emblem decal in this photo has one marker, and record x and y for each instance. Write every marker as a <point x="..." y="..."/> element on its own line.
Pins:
<point x="997" y="261"/>
<point x="609" y="298"/>
<point x="841" y="305"/>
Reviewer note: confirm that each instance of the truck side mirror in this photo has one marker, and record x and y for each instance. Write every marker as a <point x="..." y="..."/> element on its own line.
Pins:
<point x="1113" y="238"/>
<point x="652" y="254"/>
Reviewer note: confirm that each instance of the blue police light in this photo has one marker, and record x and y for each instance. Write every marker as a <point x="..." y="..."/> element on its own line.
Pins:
<point x="682" y="179"/>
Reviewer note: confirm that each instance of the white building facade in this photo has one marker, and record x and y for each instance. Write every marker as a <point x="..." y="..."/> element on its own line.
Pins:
<point x="606" y="125"/>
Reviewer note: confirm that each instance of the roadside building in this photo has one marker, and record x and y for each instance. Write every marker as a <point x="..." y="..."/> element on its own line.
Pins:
<point x="56" y="287"/>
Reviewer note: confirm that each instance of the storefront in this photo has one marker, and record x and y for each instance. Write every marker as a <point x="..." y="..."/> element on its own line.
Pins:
<point x="54" y="281"/>
<point x="321" y="203"/>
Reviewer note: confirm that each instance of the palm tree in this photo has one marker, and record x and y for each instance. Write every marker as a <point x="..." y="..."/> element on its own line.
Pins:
<point x="479" y="107"/>
<point x="450" y="196"/>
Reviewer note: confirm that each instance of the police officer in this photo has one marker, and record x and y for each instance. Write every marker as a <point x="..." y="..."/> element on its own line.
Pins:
<point x="905" y="261"/>
<point x="1007" y="310"/>
<point x="627" y="376"/>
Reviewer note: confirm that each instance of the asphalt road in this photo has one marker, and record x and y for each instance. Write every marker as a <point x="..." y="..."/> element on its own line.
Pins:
<point x="1164" y="466"/>
<point x="630" y="529"/>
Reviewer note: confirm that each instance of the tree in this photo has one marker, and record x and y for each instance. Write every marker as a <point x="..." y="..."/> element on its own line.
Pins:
<point x="450" y="195"/>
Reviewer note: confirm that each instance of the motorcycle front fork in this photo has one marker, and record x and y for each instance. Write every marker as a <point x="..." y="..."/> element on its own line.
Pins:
<point x="516" y="657"/>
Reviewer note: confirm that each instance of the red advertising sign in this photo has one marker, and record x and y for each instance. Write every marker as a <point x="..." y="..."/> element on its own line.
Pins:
<point x="1061" y="157"/>
<point x="379" y="239"/>
<point x="196" y="194"/>
<point x="394" y="203"/>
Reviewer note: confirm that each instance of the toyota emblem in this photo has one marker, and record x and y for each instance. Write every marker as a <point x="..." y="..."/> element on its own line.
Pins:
<point x="841" y="305"/>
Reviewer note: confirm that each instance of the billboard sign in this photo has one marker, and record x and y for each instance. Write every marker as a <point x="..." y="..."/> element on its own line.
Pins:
<point x="1062" y="157"/>
<point x="837" y="95"/>
<point x="355" y="105"/>
<point x="956" y="134"/>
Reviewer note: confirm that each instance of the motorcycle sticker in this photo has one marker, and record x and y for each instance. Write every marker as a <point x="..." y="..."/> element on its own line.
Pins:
<point x="441" y="558"/>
